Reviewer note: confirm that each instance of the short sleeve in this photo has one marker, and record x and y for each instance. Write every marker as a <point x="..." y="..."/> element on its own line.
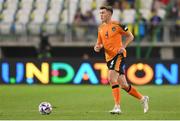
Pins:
<point x="123" y="29"/>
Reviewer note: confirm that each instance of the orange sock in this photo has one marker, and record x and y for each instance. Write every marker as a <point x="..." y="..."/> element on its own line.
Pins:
<point x="116" y="94"/>
<point x="135" y="93"/>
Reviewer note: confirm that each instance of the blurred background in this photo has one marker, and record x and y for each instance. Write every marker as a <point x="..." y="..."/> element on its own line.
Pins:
<point x="51" y="29"/>
<point x="56" y="28"/>
<point x="51" y="42"/>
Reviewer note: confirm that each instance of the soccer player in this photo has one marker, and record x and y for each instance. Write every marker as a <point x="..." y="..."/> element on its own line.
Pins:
<point x="110" y="38"/>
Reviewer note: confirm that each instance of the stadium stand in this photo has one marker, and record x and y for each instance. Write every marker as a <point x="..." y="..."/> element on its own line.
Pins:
<point x="73" y="23"/>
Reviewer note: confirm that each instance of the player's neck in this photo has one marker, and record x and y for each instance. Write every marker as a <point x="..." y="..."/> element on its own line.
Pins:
<point x="108" y="21"/>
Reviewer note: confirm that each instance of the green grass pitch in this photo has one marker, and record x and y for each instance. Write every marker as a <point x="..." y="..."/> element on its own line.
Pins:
<point x="86" y="102"/>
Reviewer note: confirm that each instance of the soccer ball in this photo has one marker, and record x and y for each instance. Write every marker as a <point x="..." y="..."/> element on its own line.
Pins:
<point x="45" y="108"/>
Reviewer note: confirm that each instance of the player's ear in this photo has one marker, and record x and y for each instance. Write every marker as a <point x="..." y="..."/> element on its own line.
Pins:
<point x="110" y="14"/>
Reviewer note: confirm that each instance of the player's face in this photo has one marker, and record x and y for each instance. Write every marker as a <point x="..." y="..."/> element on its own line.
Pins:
<point x="104" y="15"/>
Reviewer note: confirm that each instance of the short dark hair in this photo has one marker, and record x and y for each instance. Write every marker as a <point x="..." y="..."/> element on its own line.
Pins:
<point x="108" y="8"/>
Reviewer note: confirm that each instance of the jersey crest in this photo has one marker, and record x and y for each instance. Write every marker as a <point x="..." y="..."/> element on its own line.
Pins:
<point x="113" y="29"/>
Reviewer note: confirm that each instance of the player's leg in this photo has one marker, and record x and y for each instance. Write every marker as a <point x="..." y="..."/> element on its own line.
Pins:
<point x="128" y="88"/>
<point x="113" y="76"/>
<point x="133" y="91"/>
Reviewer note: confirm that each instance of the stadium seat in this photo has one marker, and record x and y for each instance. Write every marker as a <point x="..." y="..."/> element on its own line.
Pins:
<point x="5" y="28"/>
<point x="12" y="4"/>
<point x="64" y="17"/>
<point x="22" y="16"/>
<point x="100" y="3"/>
<point x="56" y="5"/>
<point x="9" y="11"/>
<point x="161" y="13"/>
<point x="146" y="13"/>
<point x="1" y="1"/>
<point x="37" y="16"/>
<point x="55" y="8"/>
<point x="26" y="4"/>
<point x="56" y="2"/>
<point x="20" y="29"/>
<point x="72" y="10"/>
<point x="52" y="18"/>
<point x="116" y="14"/>
<point x="1" y="4"/>
<point x="128" y="16"/>
<point x="50" y="29"/>
<point x="41" y="6"/>
<point x="85" y="5"/>
<point x="8" y="16"/>
<point x="34" y="28"/>
<point x="147" y="4"/>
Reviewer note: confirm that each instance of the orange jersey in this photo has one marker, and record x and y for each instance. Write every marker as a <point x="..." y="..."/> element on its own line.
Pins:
<point x="110" y="35"/>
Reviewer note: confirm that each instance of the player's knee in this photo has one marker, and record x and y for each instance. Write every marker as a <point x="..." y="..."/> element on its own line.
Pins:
<point x="112" y="82"/>
<point x="124" y="84"/>
<point x="126" y="87"/>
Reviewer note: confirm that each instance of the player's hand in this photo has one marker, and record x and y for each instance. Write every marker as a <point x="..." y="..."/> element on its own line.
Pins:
<point x="122" y="50"/>
<point x="98" y="47"/>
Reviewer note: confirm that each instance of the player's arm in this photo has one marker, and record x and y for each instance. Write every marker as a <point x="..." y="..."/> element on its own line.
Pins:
<point x="129" y="37"/>
<point x="98" y="44"/>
